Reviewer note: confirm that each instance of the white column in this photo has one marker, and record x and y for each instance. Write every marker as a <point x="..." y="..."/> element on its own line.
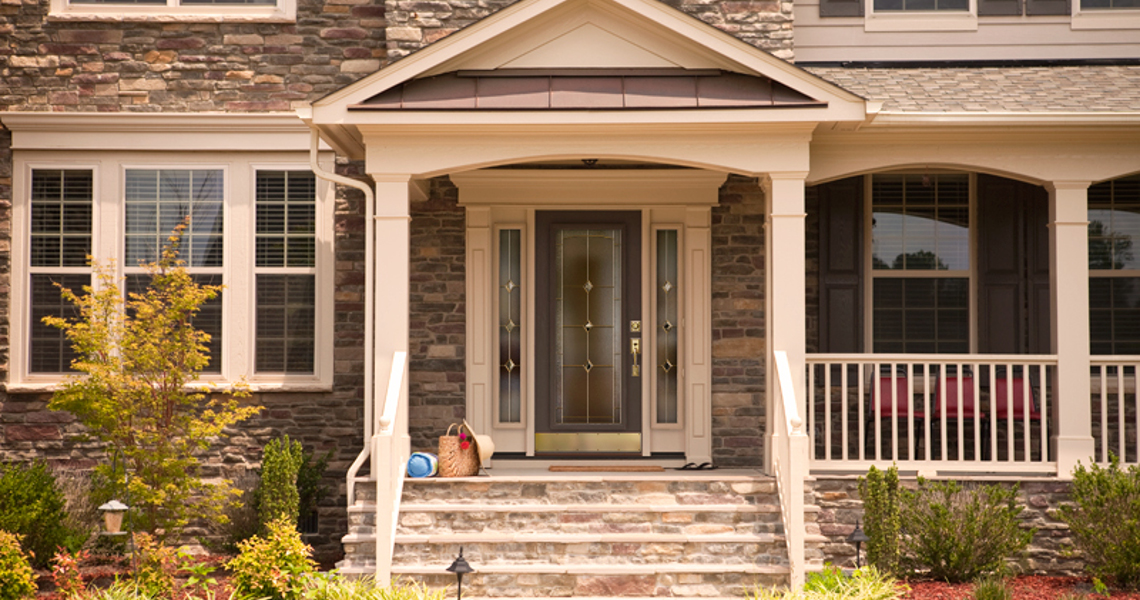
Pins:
<point x="390" y="295"/>
<point x="1069" y="282"/>
<point x="785" y="264"/>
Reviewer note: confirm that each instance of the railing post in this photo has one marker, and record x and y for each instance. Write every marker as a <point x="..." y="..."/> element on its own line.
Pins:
<point x="1069" y="280"/>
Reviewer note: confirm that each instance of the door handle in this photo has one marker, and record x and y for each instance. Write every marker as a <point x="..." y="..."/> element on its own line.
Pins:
<point x="635" y="350"/>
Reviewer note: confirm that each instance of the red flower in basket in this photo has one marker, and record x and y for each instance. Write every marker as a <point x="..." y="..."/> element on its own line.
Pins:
<point x="464" y="445"/>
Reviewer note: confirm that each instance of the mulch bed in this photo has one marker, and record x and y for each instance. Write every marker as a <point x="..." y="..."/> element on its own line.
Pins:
<point x="1025" y="587"/>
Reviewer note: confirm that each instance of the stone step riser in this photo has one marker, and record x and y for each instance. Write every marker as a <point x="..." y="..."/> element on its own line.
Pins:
<point x="686" y="585"/>
<point x="596" y="553"/>
<point x="667" y="523"/>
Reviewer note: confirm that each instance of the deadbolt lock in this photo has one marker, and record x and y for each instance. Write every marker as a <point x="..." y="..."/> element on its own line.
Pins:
<point x="635" y="326"/>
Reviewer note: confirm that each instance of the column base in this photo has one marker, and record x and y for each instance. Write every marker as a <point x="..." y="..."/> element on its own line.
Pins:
<point x="1070" y="451"/>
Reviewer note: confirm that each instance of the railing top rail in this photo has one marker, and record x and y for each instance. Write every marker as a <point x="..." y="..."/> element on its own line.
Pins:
<point x="1115" y="359"/>
<point x="935" y="358"/>
<point x="392" y="398"/>
<point x="792" y="418"/>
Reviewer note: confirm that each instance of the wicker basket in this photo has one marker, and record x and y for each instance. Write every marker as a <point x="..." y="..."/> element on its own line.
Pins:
<point x="454" y="461"/>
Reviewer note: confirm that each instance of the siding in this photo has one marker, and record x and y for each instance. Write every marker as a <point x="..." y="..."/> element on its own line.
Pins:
<point x="997" y="38"/>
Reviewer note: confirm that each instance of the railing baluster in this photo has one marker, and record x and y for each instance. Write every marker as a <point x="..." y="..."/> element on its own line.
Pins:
<point x="927" y="411"/>
<point x="811" y="405"/>
<point x="827" y="411"/>
<point x="1136" y="400"/>
<point x="1103" y="413"/>
<point x="961" y="421"/>
<point x="876" y="409"/>
<point x="843" y="407"/>
<point x="942" y="438"/>
<point x="1009" y="413"/>
<point x="1120" y="411"/>
<point x="1026" y="408"/>
<point x="993" y="413"/>
<point x="862" y="450"/>
<point x="911" y="443"/>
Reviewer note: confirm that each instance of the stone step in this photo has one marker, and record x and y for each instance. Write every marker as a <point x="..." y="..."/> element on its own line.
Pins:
<point x="704" y="534"/>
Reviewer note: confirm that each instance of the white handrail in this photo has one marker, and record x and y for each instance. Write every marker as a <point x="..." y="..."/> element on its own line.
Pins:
<point x="389" y="457"/>
<point x="791" y="466"/>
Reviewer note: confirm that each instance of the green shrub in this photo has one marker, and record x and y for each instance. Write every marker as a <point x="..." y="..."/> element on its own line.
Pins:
<point x="1105" y="520"/>
<point x="121" y="590"/>
<point x="867" y="583"/>
<point x="16" y="579"/>
<point x="992" y="587"/>
<point x="277" y="497"/>
<point x="959" y="533"/>
<point x="309" y="488"/>
<point x="880" y="493"/>
<point x="32" y="507"/>
<point x="275" y="566"/>
<point x="333" y="587"/>
<point x="830" y="579"/>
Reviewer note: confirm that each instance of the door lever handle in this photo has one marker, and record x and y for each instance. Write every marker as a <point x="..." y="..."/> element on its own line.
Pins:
<point x="635" y="350"/>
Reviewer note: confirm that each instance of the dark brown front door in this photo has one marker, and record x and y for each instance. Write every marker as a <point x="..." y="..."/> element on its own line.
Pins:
<point x="588" y="300"/>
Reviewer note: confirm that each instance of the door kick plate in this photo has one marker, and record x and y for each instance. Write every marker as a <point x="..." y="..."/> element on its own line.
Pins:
<point x="587" y="442"/>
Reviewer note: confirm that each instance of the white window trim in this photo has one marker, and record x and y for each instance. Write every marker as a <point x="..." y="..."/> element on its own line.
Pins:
<point x="238" y="271"/>
<point x="285" y="11"/>
<point x="870" y="273"/>
<point x="932" y="20"/>
<point x="1104" y="18"/>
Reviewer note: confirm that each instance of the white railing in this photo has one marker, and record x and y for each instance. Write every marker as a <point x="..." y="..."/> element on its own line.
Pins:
<point x="388" y="451"/>
<point x="936" y="412"/>
<point x="1115" y="414"/>
<point x="790" y="462"/>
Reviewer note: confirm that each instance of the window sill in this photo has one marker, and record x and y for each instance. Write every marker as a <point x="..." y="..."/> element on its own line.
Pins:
<point x="62" y="12"/>
<point x="47" y="386"/>
<point x="1107" y="19"/>
<point x="925" y="21"/>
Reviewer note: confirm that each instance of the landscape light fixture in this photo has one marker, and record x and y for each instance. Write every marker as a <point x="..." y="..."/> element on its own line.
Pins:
<point x="460" y="568"/>
<point x="857" y="537"/>
<point x="113" y="512"/>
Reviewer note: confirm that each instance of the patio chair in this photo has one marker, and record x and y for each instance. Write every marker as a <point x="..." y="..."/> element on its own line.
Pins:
<point x="891" y="402"/>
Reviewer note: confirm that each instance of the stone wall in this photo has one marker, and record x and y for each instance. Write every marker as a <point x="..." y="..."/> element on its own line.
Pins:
<point x="738" y="324"/>
<point x="437" y="371"/>
<point x="840" y="508"/>
<point x="164" y="67"/>
<point x="413" y="24"/>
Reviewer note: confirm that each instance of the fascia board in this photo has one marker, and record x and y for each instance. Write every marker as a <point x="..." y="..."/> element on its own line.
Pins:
<point x="959" y="119"/>
<point x="665" y="118"/>
<point x="333" y="108"/>
<point x="156" y="131"/>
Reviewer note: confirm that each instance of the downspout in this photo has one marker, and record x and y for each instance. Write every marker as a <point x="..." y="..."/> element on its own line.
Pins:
<point x="369" y="260"/>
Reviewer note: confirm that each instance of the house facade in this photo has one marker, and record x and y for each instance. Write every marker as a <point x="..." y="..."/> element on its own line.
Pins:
<point x="788" y="239"/>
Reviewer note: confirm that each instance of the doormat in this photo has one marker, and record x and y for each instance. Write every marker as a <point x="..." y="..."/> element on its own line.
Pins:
<point x="603" y="469"/>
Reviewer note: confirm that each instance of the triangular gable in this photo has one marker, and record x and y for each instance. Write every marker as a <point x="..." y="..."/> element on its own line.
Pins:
<point x="586" y="34"/>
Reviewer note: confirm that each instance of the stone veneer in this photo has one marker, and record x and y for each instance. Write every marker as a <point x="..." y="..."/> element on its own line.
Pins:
<point x="840" y="508"/>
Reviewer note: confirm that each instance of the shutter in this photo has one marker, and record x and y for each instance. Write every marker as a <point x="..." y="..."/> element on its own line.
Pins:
<point x="840" y="8"/>
<point x="989" y="8"/>
<point x="841" y="265"/>
<point x="1013" y="267"/>
<point x="1047" y="7"/>
<point x="1001" y="279"/>
<point x="1036" y="203"/>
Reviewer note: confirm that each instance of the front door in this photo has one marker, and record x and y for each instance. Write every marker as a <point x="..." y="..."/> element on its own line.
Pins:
<point x="588" y="332"/>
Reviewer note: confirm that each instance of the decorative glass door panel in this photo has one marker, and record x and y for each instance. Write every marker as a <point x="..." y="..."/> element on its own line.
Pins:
<point x="589" y="329"/>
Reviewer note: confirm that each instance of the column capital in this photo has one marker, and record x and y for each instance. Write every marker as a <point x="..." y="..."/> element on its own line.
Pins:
<point x="391" y="177"/>
<point x="784" y="176"/>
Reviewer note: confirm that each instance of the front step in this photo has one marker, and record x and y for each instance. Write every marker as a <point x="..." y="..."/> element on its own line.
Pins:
<point x="599" y="535"/>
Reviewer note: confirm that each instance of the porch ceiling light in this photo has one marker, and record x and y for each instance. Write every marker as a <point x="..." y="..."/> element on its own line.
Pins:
<point x="460" y="568"/>
<point x="113" y="512"/>
<point x="857" y="537"/>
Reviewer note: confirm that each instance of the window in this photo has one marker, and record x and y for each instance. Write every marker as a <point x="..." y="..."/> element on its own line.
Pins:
<point x="921" y="5"/>
<point x="1114" y="266"/>
<point x="286" y="271"/>
<point x="185" y="10"/>
<point x="60" y="241"/>
<point x="666" y="327"/>
<point x="254" y="227"/>
<point x="510" y="326"/>
<point x="920" y="15"/>
<point x="1109" y="4"/>
<point x="920" y="263"/>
